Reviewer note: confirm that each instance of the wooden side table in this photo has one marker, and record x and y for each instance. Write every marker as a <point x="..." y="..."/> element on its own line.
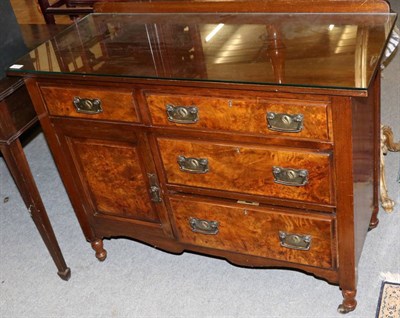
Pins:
<point x="16" y="117"/>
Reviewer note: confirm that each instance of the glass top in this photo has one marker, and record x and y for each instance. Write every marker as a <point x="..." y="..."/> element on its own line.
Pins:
<point x="312" y="50"/>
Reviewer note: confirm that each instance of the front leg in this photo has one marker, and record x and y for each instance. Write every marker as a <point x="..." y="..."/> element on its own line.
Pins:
<point x="101" y="253"/>
<point x="349" y="301"/>
<point x="373" y="223"/>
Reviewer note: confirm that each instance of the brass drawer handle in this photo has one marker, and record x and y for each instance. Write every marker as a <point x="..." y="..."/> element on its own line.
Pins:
<point x="87" y="105"/>
<point x="295" y="241"/>
<point x="285" y="122"/>
<point x="203" y="226"/>
<point x="182" y="114"/>
<point x="193" y="165"/>
<point x="290" y="177"/>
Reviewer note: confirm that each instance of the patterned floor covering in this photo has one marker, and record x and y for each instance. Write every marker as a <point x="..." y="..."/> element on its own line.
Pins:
<point x="389" y="301"/>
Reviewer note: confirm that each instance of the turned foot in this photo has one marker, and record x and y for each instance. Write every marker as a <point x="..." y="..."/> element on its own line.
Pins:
<point x="349" y="302"/>
<point x="101" y="253"/>
<point x="373" y="224"/>
<point x="65" y="275"/>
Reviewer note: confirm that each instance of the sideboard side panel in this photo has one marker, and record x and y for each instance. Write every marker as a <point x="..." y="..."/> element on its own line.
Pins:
<point x="343" y="159"/>
<point x="365" y="130"/>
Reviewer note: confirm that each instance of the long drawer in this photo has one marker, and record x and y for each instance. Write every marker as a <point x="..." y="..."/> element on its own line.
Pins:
<point x="273" y="233"/>
<point x="105" y="103"/>
<point x="267" y="171"/>
<point x="267" y="117"/>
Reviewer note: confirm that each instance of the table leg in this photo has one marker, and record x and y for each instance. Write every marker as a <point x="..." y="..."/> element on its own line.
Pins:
<point x="19" y="168"/>
<point x="387" y="144"/>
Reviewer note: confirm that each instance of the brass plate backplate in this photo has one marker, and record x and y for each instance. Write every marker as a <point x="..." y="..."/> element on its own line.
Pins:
<point x="87" y="105"/>
<point x="291" y="177"/>
<point x="295" y="241"/>
<point x="285" y="122"/>
<point x="203" y="226"/>
<point x="182" y="114"/>
<point x="193" y="165"/>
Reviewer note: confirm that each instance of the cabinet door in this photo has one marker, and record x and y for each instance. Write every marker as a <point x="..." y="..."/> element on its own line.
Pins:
<point x="114" y="171"/>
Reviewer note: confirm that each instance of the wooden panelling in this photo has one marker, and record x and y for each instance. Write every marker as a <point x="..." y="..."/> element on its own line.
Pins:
<point x="112" y="173"/>
<point x="248" y="169"/>
<point x="105" y="158"/>
<point x="255" y="231"/>
<point x="117" y="104"/>
<point x="244" y="115"/>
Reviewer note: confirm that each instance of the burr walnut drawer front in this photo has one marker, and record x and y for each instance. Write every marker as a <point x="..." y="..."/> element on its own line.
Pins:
<point x="105" y="103"/>
<point x="276" y="172"/>
<point x="273" y="117"/>
<point x="266" y="232"/>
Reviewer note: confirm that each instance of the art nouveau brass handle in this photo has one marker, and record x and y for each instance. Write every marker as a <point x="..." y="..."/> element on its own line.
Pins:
<point x="285" y="122"/>
<point x="295" y="241"/>
<point x="290" y="177"/>
<point x="182" y="114"/>
<point x="87" y="105"/>
<point x="193" y="165"/>
<point x="203" y="226"/>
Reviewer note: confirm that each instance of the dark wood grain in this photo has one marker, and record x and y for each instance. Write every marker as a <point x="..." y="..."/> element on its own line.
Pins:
<point x="377" y="149"/>
<point x="366" y="127"/>
<point x="343" y="160"/>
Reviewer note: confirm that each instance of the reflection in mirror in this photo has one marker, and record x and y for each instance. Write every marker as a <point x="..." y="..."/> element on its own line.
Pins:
<point x="321" y="50"/>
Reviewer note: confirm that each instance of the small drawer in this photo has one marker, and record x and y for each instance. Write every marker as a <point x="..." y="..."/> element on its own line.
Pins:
<point x="104" y="103"/>
<point x="283" y="117"/>
<point x="275" y="172"/>
<point x="266" y="232"/>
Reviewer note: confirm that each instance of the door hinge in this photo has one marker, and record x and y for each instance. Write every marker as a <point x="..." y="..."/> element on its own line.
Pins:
<point x="155" y="192"/>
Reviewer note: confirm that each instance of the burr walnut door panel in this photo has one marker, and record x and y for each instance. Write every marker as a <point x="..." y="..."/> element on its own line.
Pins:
<point x="284" y="173"/>
<point x="268" y="232"/>
<point x="115" y="170"/>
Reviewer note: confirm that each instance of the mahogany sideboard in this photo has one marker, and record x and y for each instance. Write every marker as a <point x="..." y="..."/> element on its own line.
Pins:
<point x="248" y="136"/>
